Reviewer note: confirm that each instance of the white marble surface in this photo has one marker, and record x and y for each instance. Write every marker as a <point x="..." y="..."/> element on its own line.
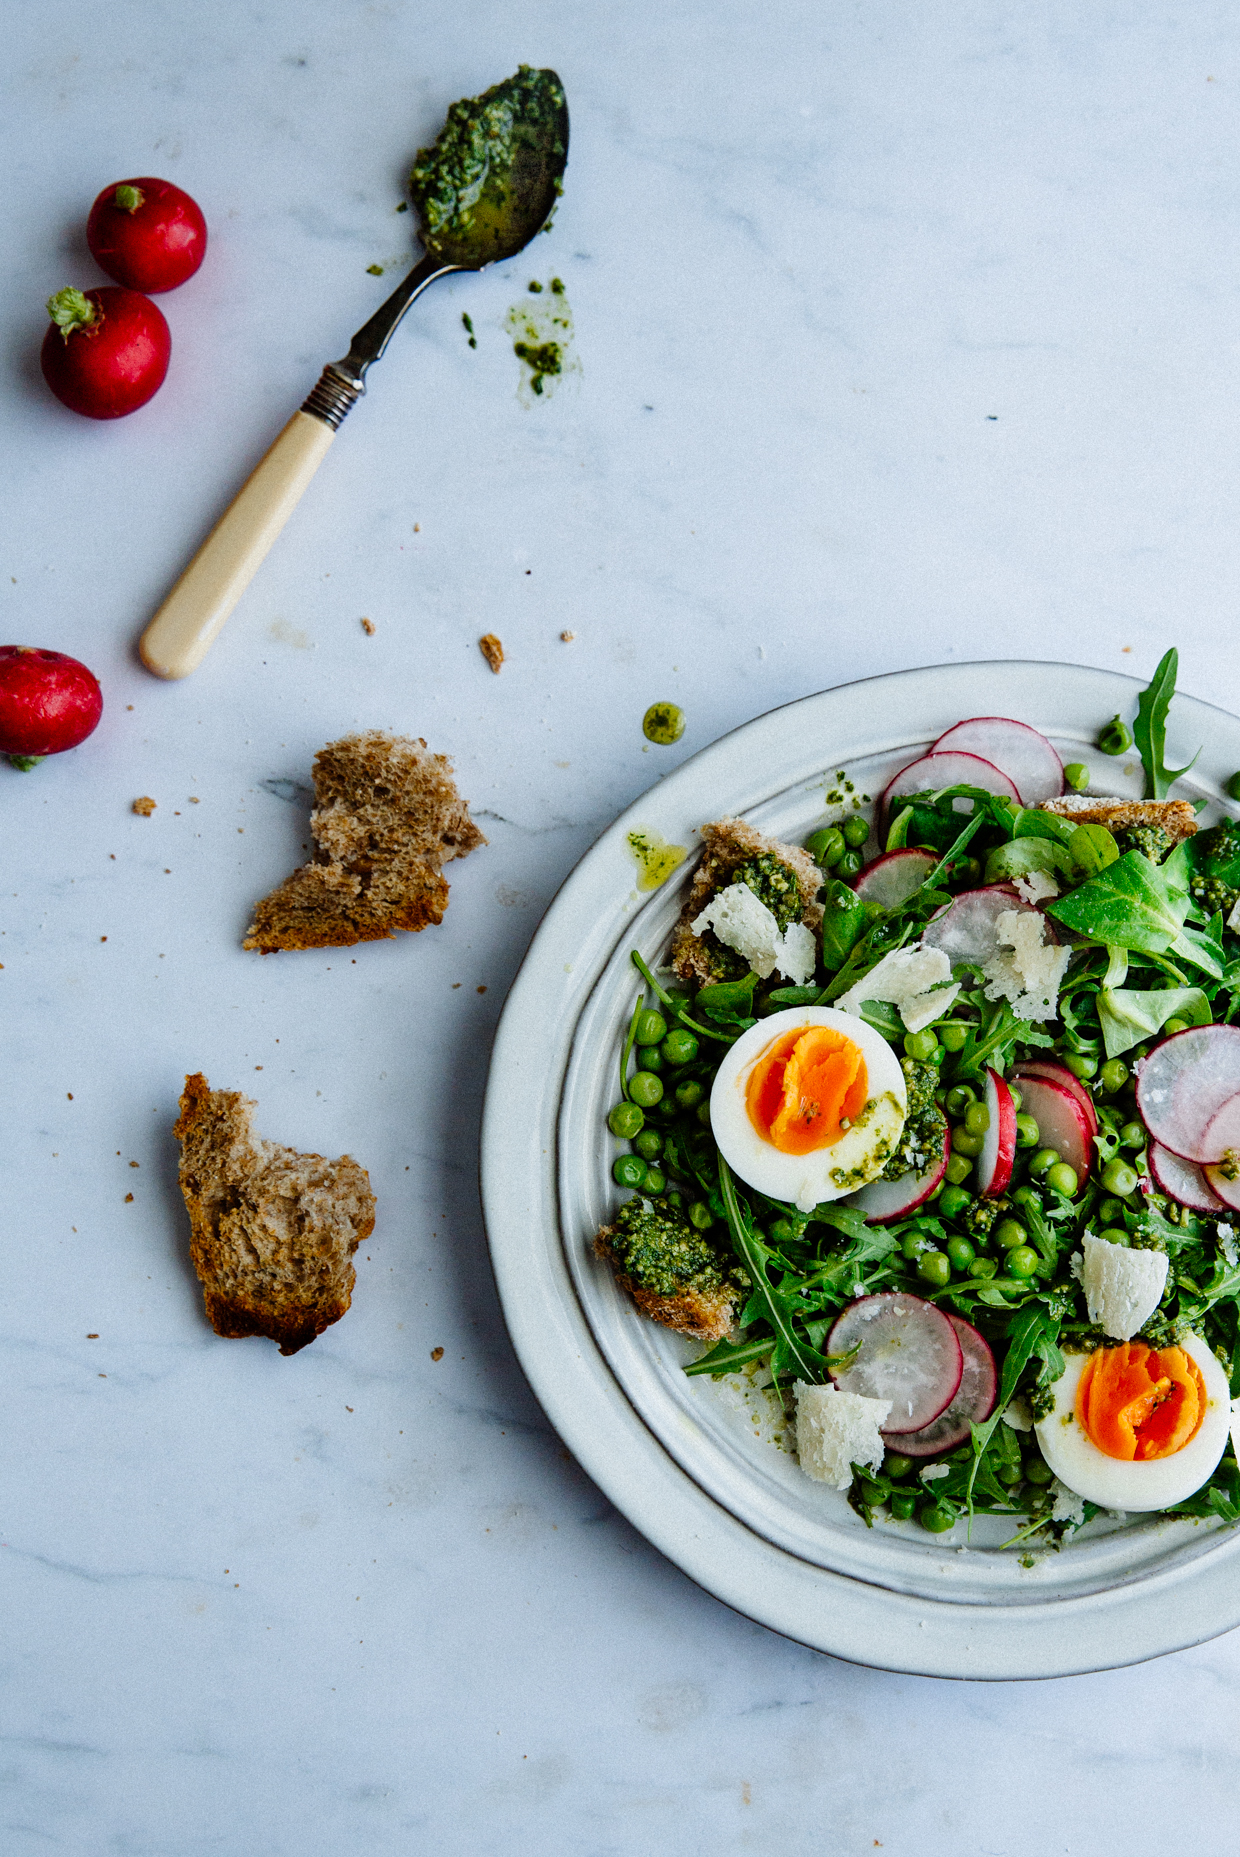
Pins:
<point x="905" y="334"/>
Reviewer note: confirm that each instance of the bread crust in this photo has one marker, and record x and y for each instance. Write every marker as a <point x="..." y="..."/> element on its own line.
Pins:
<point x="387" y="818"/>
<point x="1176" y="817"/>
<point x="726" y="844"/>
<point x="272" y="1231"/>
<point x="706" y="1315"/>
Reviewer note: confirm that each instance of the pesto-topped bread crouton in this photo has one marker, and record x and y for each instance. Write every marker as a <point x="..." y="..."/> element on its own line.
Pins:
<point x="674" y="1274"/>
<point x="1154" y="827"/>
<point x="783" y="877"/>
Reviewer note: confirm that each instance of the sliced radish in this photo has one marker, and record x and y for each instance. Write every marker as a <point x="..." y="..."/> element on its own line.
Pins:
<point x="974" y="1400"/>
<point x="892" y="879"/>
<point x="907" y="1352"/>
<point x="885" y="1200"/>
<point x="1026" y="757"/>
<point x="967" y="929"/>
<point x="935" y="771"/>
<point x="1227" y="1189"/>
<point x="1061" y="1121"/>
<point x="1055" y="1072"/>
<point x="1182" y="1180"/>
<point x="1184" y="1083"/>
<point x="994" y="1163"/>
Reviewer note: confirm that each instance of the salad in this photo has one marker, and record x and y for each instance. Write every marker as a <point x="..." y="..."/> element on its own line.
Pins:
<point x="932" y="1125"/>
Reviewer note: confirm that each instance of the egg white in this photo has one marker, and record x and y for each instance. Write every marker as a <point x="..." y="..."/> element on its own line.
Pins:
<point x="1135" y="1487"/>
<point x="861" y="1152"/>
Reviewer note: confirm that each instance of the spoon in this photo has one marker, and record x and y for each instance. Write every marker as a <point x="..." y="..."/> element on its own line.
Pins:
<point x="482" y="192"/>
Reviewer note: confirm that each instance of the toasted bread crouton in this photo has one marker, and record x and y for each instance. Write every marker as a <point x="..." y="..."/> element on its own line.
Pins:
<point x="705" y="1311"/>
<point x="387" y="818"/>
<point x="727" y="844"/>
<point x="1175" y="817"/>
<point x="272" y="1231"/>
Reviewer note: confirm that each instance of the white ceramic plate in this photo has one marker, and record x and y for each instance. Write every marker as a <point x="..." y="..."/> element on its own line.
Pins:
<point x="689" y="1464"/>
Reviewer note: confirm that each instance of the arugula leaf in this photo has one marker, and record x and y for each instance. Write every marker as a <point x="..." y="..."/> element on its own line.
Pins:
<point x="1128" y="1015"/>
<point x="1031" y="1332"/>
<point x="727" y="1356"/>
<point x="1127" y="905"/>
<point x="1150" y="729"/>
<point x="804" y="1359"/>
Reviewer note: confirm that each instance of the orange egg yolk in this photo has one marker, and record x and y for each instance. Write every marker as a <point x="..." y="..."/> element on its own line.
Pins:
<point x="1137" y="1402"/>
<point x="806" y="1088"/>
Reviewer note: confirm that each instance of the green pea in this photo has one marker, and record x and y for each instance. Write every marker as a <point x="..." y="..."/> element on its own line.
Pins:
<point x="919" y="1045"/>
<point x="702" y="1112"/>
<point x="1017" y="1098"/>
<point x="856" y="830"/>
<point x="1110" y="1211"/>
<point x="960" y="1253"/>
<point x="983" y="1267"/>
<point x="826" y="846"/>
<point x="649" y="1144"/>
<point x="1027" y="1195"/>
<point x="651" y="1027"/>
<point x="625" y="1121"/>
<point x="701" y="1216"/>
<point x="646" y="1089"/>
<point x="913" y="1244"/>
<point x="1028" y="1134"/>
<point x="1042" y="1162"/>
<point x="1023" y="1262"/>
<point x="1009" y="1474"/>
<point x="936" y="1057"/>
<point x="649" y="1057"/>
<point x="1062" y="1179"/>
<point x="1114" y="1234"/>
<point x="676" y="1199"/>
<point x="965" y="1143"/>
<point x="1116" y="738"/>
<point x="1082" y="1067"/>
<point x="1119" y="1177"/>
<point x="953" y="1036"/>
<point x="783" y="1231"/>
<point x="690" y="1093"/>
<point x="1037" y="1470"/>
<point x="665" y="1109"/>
<point x="1132" y="1135"/>
<point x="958" y="1099"/>
<point x="954" y="1201"/>
<point x="1009" y="1233"/>
<point x="1175" y="1025"/>
<point x="937" y="1521"/>
<point x="1076" y="776"/>
<point x="849" y="864"/>
<point x="656" y="1180"/>
<point x="664" y="723"/>
<point x="903" y="1504"/>
<point x="935" y="1268"/>
<point x="629" y="1170"/>
<point x="959" y="1167"/>
<point x="679" y="1047"/>
<point x="977" y="1118"/>
<point x="1113" y="1075"/>
<point x="896" y="1466"/>
<point x="870" y="1492"/>
<point x="1232" y="789"/>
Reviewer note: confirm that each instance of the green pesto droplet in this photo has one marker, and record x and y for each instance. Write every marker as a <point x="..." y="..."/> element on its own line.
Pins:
<point x="663" y="723"/>
<point x="656" y="858"/>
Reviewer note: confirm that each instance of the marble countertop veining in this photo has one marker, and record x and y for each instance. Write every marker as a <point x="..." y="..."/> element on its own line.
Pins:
<point x="902" y="335"/>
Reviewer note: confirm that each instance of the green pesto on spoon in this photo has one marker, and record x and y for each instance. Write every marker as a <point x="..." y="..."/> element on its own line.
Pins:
<point x="487" y="186"/>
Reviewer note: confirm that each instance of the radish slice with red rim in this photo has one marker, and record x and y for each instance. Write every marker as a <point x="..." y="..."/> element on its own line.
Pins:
<point x="893" y="878"/>
<point x="974" y="1399"/>
<point x="1182" y="1180"/>
<point x="967" y="929"/>
<point x="994" y="1163"/>
<point x="935" y="771"/>
<point x="907" y="1352"/>
<point x="886" y="1200"/>
<point x="1061" y="1121"/>
<point x="1183" y="1085"/>
<point x="1054" y="1072"/>
<point x="1026" y="757"/>
<point x="1225" y="1183"/>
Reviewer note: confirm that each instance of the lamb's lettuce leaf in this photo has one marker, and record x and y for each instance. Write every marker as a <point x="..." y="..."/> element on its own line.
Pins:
<point x="1129" y="1015"/>
<point x="1022" y="855"/>
<point x="1130" y="904"/>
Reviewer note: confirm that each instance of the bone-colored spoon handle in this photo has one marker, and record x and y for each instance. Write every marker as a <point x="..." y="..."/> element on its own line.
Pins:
<point x="182" y="631"/>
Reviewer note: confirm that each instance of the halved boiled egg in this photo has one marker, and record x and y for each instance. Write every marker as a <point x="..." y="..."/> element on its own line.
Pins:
<point x="808" y="1105"/>
<point x="1135" y="1427"/>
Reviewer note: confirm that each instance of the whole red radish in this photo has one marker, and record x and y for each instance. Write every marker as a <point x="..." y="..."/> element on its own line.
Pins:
<point x="106" y="352"/>
<point x="48" y="702"/>
<point x="147" y="234"/>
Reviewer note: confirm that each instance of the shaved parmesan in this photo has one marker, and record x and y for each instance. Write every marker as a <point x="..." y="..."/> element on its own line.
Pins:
<point x="916" y="980"/>
<point x="1030" y="975"/>
<point x="836" y="1430"/>
<point x="1067" y="1506"/>
<point x="1122" y="1287"/>
<point x="742" y="922"/>
<point x="1036" y="887"/>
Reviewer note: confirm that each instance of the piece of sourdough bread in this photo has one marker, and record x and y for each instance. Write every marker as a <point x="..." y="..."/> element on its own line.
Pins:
<point x="273" y="1231"/>
<point x="1175" y="817"/>
<point x="387" y="818"/>
<point x="728" y="843"/>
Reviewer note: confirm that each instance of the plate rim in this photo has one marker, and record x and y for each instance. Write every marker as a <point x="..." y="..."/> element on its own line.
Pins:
<point x="828" y="1611"/>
